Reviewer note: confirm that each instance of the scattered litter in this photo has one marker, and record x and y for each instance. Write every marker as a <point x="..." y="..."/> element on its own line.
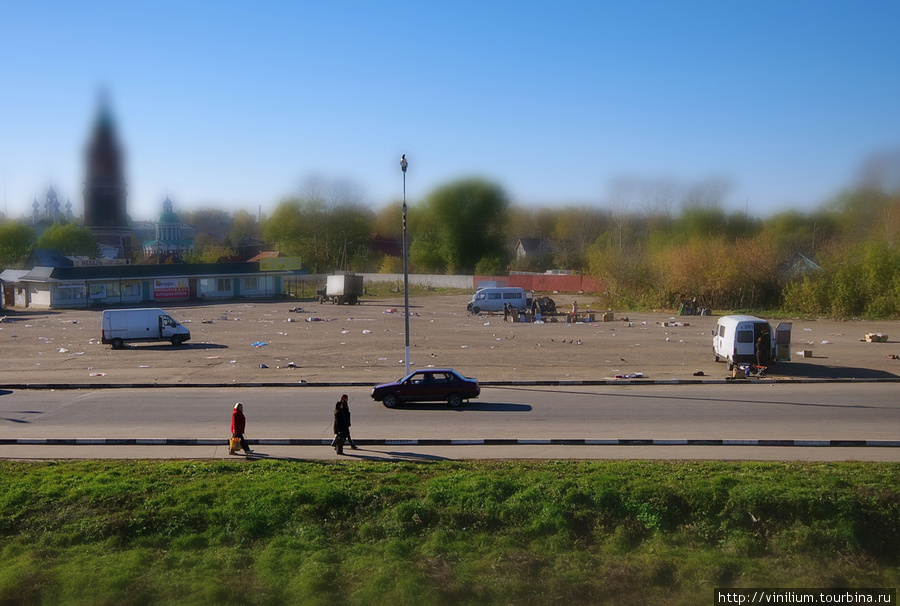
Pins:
<point x="63" y="350"/>
<point x="213" y="357"/>
<point x="876" y="337"/>
<point x="263" y="366"/>
<point x="289" y="365"/>
<point x="699" y="373"/>
<point x="291" y="320"/>
<point x="382" y="359"/>
<point x="233" y="362"/>
<point x="367" y="332"/>
<point x="98" y="374"/>
<point x="826" y="342"/>
<point x="345" y="331"/>
<point x="464" y="346"/>
<point x="207" y="321"/>
<point x="637" y="375"/>
<point x="297" y="310"/>
<point x="805" y="353"/>
<point x="808" y="329"/>
<point x="312" y="319"/>
<point x="258" y="344"/>
<point x="893" y="357"/>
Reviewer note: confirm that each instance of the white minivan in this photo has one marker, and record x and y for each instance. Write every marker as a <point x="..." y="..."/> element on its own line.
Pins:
<point x="492" y="298"/>
<point x="735" y="338"/>
<point x="120" y="325"/>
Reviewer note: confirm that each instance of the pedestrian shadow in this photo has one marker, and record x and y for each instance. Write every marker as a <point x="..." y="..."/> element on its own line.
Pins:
<point x="362" y="454"/>
<point x="21" y="412"/>
<point x="367" y="454"/>
<point x="5" y="392"/>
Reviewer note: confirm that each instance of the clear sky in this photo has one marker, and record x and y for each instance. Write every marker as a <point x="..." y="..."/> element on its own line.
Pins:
<point x="236" y="104"/>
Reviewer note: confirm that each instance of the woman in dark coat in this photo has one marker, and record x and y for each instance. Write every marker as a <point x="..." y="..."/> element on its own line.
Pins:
<point x="342" y="425"/>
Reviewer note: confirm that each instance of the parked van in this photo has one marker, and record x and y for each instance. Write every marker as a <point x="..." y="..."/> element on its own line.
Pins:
<point x="121" y="325"/>
<point x="492" y="298"/>
<point x="736" y="336"/>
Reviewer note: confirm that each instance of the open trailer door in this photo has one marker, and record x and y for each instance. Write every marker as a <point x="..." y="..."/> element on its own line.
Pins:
<point x="783" y="341"/>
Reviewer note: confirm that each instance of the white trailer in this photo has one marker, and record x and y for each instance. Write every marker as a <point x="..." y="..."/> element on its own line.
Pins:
<point x="341" y="288"/>
<point x="736" y="336"/>
<point x="119" y="326"/>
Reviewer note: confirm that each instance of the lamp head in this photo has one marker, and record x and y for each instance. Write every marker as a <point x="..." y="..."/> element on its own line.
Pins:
<point x="403" y="163"/>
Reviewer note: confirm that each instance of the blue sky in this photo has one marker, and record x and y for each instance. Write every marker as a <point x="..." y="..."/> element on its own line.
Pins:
<point x="237" y="105"/>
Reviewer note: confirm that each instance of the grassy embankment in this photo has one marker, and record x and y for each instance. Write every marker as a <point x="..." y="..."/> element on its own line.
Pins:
<point x="291" y="532"/>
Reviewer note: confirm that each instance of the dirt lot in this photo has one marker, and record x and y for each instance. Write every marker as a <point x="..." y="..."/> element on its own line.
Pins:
<point x="271" y="342"/>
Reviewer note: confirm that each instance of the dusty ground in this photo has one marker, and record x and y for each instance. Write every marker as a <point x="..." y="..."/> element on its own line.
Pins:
<point x="365" y="343"/>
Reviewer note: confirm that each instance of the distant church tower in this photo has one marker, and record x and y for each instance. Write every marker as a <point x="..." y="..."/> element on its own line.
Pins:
<point x="104" y="187"/>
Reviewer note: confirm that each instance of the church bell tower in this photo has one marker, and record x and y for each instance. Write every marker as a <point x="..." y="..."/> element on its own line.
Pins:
<point x="104" y="187"/>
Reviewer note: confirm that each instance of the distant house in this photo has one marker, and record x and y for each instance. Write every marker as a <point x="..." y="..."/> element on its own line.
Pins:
<point x="266" y="254"/>
<point x="47" y="257"/>
<point x="387" y="246"/>
<point x="530" y="248"/>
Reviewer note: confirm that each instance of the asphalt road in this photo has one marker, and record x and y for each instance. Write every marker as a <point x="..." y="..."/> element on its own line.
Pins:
<point x="646" y="421"/>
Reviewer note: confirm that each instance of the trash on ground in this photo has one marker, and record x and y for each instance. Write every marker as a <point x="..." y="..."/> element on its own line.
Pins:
<point x="876" y="337"/>
<point x="258" y="344"/>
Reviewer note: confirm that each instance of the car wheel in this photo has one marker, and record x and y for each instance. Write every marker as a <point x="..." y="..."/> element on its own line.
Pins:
<point x="117" y="343"/>
<point x="389" y="400"/>
<point x="176" y="341"/>
<point x="454" y="400"/>
<point x="476" y="310"/>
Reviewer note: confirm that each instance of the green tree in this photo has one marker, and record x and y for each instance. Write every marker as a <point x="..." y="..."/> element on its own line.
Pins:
<point x="69" y="239"/>
<point x="327" y="226"/>
<point x="460" y="224"/>
<point x="16" y="240"/>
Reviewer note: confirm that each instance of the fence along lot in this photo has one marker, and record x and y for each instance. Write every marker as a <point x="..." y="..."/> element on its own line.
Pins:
<point x="300" y="340"/>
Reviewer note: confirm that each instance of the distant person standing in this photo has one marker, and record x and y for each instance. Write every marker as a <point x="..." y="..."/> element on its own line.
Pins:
<point x="342" y="425"/>
<point x="238" y="425"/>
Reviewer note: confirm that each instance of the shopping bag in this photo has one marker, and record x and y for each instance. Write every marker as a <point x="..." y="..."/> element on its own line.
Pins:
<point x="234" y="445"/>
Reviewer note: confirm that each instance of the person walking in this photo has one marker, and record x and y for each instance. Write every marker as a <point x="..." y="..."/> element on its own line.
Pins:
<point x="238" y="425"/>
<point x="342" y="425"/>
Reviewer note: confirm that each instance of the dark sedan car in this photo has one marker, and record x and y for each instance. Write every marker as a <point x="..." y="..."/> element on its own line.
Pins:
<point x="430" y="385"/>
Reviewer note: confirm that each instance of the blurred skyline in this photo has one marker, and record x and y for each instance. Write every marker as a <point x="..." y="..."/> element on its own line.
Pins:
<point x="236" y="105"/>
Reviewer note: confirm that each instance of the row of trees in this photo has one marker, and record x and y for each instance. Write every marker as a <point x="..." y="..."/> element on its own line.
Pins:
<point x="653" y="244"/>
<point x="18" y="239"/>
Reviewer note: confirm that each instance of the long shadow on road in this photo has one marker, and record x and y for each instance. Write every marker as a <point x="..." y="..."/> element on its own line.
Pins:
<point x="806" y="370"/>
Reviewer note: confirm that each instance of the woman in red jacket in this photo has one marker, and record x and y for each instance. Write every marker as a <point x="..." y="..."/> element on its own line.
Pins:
<point x="238" y="424"/>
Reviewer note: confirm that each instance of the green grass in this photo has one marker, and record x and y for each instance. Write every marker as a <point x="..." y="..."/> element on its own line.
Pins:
<point x="283" y="532"/>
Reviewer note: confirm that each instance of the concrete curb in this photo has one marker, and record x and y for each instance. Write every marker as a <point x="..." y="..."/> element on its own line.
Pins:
<point x="443" y="442"/>
<point x="548" y="383"/>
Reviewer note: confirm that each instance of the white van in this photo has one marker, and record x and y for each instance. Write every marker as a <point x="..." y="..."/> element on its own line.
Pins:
<point x="736" y="336"/>
<point x="492" y="298"/>
<point x="121" y="325"/>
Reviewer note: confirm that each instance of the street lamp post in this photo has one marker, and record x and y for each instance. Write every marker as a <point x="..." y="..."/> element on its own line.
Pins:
<point x="403" y="165"/>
